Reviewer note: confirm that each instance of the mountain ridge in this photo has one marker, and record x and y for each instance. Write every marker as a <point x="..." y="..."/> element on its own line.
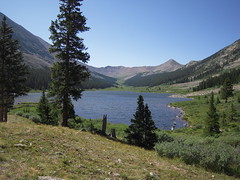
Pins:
<point x="226" y="58"/>
<point x="36" y="54"/>
<point x="127" y="72"/>
<point x="35" y="51"/>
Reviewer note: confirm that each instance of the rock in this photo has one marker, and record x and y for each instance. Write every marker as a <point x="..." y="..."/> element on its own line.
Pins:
<point x="58" y="153"/>
<point x="23" y="141"/>
<point x="20" y="145"/>
<point x="116" y="174"/>
<point x="119" y="161"/>
<point x="48" y="178"/>
<point x="153" y="175"/>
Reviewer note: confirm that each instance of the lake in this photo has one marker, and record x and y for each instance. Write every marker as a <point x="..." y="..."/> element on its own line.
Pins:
<point x="121" y="105"/>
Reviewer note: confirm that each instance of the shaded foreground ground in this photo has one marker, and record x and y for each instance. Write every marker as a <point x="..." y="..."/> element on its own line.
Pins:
<point x="28" y="151"/>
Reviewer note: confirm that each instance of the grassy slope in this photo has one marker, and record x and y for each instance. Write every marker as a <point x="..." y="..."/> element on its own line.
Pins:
<point x="28" y="151"/>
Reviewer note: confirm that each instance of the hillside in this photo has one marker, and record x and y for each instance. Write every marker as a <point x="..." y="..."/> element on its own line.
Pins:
<point x="128" y="72"/>
<point x="37" y="56"/>
<point x="226" y="58"/>
<point x="28" y="151"/>
<point x="35" y="50"/>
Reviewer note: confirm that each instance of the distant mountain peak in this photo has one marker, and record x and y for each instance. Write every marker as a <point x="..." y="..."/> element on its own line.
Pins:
<point x="127" y="72"/>
<point x="172" y="61"/>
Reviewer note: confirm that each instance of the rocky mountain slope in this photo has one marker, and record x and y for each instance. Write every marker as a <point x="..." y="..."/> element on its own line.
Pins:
<point x="226" y="58"/>
<point x="127" y="72"/>
<point x="35" y="49"/>
<point x="36" y="55"/>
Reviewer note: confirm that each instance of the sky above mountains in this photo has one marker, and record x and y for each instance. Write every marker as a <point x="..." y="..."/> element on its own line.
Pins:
<point x="140" y="32"/>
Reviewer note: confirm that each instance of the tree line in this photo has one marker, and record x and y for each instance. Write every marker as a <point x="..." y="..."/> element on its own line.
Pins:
<point x="40" y="79"/>
<point x="233" y="76"/>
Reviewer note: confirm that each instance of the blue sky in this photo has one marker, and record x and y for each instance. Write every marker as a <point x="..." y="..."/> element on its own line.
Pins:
<point x="140" y="32"/>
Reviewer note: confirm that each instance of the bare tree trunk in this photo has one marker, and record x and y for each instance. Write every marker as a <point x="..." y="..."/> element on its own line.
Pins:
<point x="5" y="112"/>
<point x="65" y="111"/>
<point x="113" y="133"/>
<point x="104" y="124"/>
<point x="1" y="113"/>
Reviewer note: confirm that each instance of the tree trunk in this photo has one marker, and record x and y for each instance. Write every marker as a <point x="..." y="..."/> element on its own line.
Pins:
<point x="5" y="112"/>
<point x="1" y="114"/>
<point x="104" y="124"/>
<point x="113" y="133"/>
<point x="65" y="111"/>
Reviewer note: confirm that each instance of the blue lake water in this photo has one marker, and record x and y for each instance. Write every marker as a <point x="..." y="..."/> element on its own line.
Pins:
<point x="121" y="105"/>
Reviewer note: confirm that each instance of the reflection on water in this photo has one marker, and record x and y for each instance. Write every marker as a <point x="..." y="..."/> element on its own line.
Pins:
<point x="121" y="105"/>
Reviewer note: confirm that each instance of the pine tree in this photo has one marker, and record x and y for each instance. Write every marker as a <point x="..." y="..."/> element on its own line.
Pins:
<point x="45" y="111"/>
<point x="68" y="73"/>
<point x="226" y="90"/>
<point x="13" y="71"/>
<point x="232" y="114"/>
<point x="135" y="130"/>
<point x="212" y="120"/>
<point x="141" y="131"/>
<point x="149" y="136"/>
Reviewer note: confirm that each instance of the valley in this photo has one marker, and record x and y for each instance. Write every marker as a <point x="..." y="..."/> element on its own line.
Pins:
<point x="200" y="143"/>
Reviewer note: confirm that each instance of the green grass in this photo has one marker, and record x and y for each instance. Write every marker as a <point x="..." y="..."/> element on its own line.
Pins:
<point x="28" y="151"/>
<point x="97" y="124"/>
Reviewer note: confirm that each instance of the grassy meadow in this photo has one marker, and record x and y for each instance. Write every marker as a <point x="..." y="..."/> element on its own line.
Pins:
<point x="28" y="151"/>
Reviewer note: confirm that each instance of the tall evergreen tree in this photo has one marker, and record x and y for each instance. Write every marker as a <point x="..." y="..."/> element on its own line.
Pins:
<point x="13" y="71"/>
<point x="141" y="131"/>
<point x="212" y="120"/>
<point x="68" y="73"/>
<point x="226" y="90"/>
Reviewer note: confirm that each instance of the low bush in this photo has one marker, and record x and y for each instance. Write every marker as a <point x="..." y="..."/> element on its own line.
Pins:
<point x="35" y="118"/>
<point x="210" y="153"/>
<point x="19" y="113"/>
<point x="26" y="115"/>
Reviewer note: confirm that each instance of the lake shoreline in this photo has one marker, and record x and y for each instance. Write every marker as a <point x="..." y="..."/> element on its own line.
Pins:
<point x="121" y="105"/>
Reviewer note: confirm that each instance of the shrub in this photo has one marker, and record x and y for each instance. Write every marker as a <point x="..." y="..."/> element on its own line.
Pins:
<point x="19" y="113"/>
<point x="220" y="155"/>
<point x="75" y="123"/>
<point x="26" y="115"/>
<point x="163" y="136"/>
<point x="35" y="118"/>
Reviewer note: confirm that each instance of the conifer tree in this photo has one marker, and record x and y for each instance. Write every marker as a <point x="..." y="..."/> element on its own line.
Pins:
<point x="135" y="130"/>
<point x="226" y="90"/>
<point x="13" y="71"/>
<point x="232" y="114"/>
<point x="68" y="73"/>
<point x="141" y="131"/>
<point x="45" y="111"/>
<point x="212" y="120"/>
<point x="149" y="136"/>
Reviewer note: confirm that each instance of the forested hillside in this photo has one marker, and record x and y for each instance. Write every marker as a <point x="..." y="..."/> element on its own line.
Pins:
<point x="233" y="76"/>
